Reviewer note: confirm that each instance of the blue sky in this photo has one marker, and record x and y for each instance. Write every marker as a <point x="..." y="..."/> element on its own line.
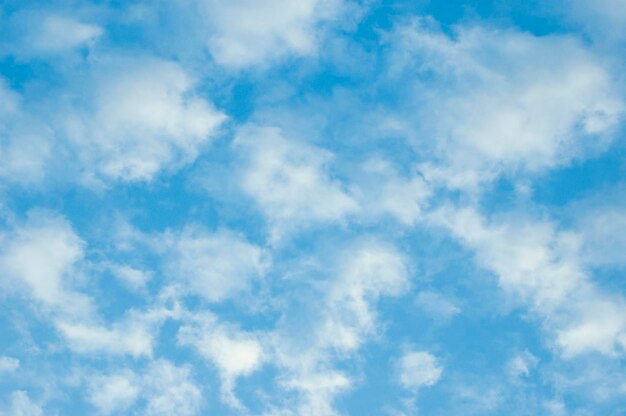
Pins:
<point x="312" y="208"/>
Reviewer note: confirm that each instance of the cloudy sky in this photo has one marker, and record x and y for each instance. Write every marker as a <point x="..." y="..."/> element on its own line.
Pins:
<point x="312" y="207"/>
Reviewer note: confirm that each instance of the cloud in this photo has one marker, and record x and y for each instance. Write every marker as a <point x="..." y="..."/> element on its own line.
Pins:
<point x="43" y="34"/>
<point x="233" y="352"/>
<point x="25" y="144"/>
<point x="541" y="267"/>
<point x="243" y="33"/>
<point x="342" y="317"/>
<point x="8" y="364"/>
<point x="21" y="405"/>
<point x="436" y="305"/>
<point x="141" y="118"/>
<point x="170" y="390"/>
<point x="115" y="393"/>
<point x="504" y="101"/>
<point x="217" y="266"/>
<point x="381" y="191"/>
<point x="39" y="256"/>
<point x="417" y="369"/>
<point x="162" y="389"/>
<point x="289" y="181"/>
<point x="604" y="19"/>
<point x="522" y="364"/>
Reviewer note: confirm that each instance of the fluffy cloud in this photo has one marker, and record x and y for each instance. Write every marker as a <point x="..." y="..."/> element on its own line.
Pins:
<point x="163" y="388"/>
<point x="542" y="268"/>
<point x="170" y="390"/>
<point x="39" y="256"/>
<point x="289" y="180"/>
<point x="142" y="118"/>
<point x="417" y="369"/>
<point x="216" y="266"/>
<point x="343" y="317"/>
<point x="247" y="32"/>
<point x="114" y="393"/>
<point x="233" y="352"/>
<point x="505" y="101"/>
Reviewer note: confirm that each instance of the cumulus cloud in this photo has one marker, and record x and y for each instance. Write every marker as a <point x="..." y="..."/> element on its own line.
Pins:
<point x="417" y="369"/>
<point x="242" y="33"/>
<point x="142" y="118"/>
<point x="505" y="101"/>
<point x="344" y="316"/>
<point x="114" y="393"/>
<point x="39" y="256"/>
<point x="162" y="389"/>
<point x="541" y="267"/>
<point x="290" y="181"/>
<point x="235" y="353"/>
<point x="216" y="266"/>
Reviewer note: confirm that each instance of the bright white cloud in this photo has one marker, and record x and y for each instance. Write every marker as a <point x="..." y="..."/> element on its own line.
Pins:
<point x="142" y="118"/>
<point x="506" y="100"/>
<point x="242" y="33"/>
<point x="290" y="181"/>
<point x="417" y="369"/>
<point x="40" y="256"/>
<point x="541" y="267"/>
<point x="233" y="352"/>
<point x="217" y="266"/>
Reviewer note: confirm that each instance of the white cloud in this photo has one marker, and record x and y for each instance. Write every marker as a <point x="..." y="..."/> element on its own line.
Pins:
<point x="132" y="277"/>
<point x="242" y="33"/>
<point x="142" y="118"/>
<point x="57" y="34"/>
<point x="382" y="191"/>
<point x="170" y="390"/>
<point x="134" y="338"/>
<point x="506" y="101"/>
<point x="25" y="145"/>
<point x="541" y="268"/>
<point x="162" y="389"/>
<point x="343" y="316"/>
<point x="365" y="274"/>
<point x="115" y="393"/>
<point x="217" y="266"/>
<point x="234" y="353"/>
<point x="21" y="405"/>
<point x="40" y="256"/>
<point x="8" y="364"/>
<point x="602" y="18"/>
<point x="417" y="369"/>
<point x="290" y="181"/>
<point x="436" y="305"/>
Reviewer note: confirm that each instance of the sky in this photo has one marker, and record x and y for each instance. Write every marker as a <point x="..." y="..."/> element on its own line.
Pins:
<point x="312" y="207"/>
